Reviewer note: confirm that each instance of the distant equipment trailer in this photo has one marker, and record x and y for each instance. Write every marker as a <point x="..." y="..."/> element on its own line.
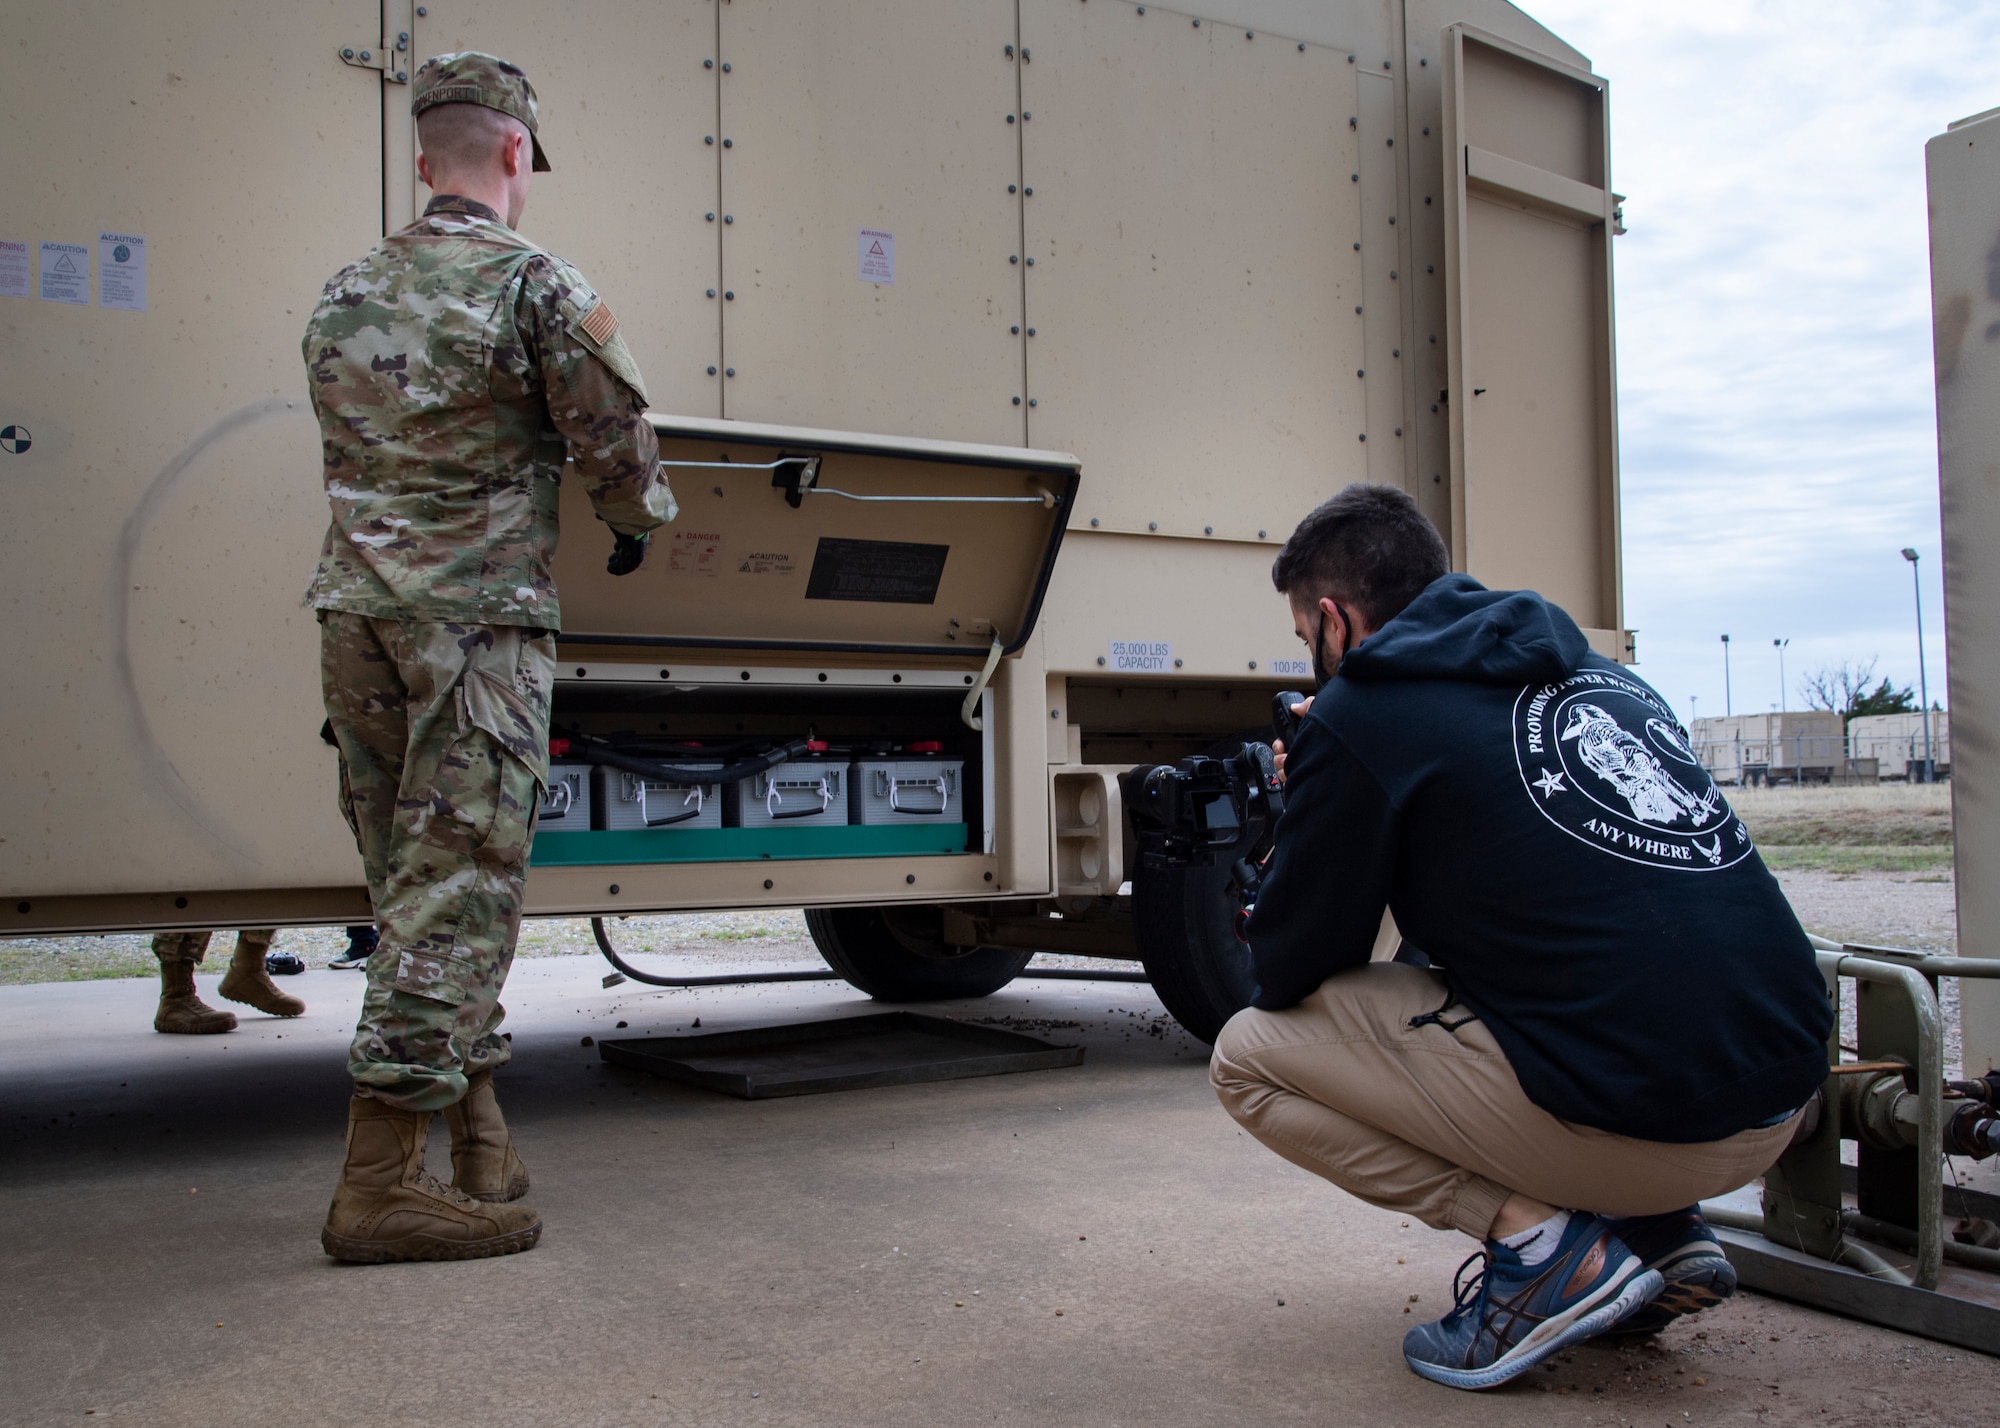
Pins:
<point x="1008" y="339"/>
<point x="1754" y="749"/>
<point x="1896" y="742"/>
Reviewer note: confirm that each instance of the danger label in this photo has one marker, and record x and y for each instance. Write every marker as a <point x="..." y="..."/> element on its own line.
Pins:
<point x="695" y="553"/>
<point x="876" y="256"/>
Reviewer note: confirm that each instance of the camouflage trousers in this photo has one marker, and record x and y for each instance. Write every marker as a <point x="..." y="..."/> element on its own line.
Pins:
<point x="193" y="946"/>
<point x="443" y="736"/>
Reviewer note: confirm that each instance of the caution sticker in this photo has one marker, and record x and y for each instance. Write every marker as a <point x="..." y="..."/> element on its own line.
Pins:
<point x="121" y="271"/>
<point x="65" y="273"/>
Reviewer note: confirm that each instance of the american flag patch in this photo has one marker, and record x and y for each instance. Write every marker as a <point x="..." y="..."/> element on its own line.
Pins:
<point x="598" y="324"/>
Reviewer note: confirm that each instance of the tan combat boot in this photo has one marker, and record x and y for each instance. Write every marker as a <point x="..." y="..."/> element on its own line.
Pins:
<point x="181" y="1010"/>
<point x="248" y="982"/>
<point x="387" y="1207"/>
<point x="483" y="1162"/>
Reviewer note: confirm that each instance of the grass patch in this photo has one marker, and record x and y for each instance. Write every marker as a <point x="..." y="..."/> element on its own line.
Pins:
<point x="1857" y="858"/>
<point x="79" y="959"/>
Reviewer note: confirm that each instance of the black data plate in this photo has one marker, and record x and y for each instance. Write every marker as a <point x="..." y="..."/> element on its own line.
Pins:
<point x="844" y="1054"/>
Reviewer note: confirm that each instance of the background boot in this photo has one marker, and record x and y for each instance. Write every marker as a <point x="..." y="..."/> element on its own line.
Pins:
<point x="387" y="1207"/>
<point x="483" y="1162"/>
<point x="248" y="982"/>
<point x="180" y="1009"/>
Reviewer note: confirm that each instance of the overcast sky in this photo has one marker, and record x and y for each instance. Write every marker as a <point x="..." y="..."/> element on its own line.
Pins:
<point x="1773" y="300"/>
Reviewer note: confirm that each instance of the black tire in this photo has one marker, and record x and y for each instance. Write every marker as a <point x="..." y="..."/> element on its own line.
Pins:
<point x="1187" y="939"/>
<point x="898" y="954"/>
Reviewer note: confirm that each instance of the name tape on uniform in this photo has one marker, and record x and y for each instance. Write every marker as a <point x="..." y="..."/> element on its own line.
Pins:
<point x="121" y="271"/>
<point x="65" y="273"/>
<point x="876" y="257"/>
<point x="1142" y="656"/>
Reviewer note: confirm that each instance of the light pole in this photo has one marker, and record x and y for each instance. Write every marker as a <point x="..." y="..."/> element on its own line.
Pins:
<point x="1784" y="696"/>
<point x="1728" y="705"/>
<point x="1923" y="680"/>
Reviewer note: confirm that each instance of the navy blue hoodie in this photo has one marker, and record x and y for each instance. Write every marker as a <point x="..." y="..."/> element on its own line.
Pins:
<point x="1533" y="816"/>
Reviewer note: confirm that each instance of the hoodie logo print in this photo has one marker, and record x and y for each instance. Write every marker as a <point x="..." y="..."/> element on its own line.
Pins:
<point x="1603" y="758"/>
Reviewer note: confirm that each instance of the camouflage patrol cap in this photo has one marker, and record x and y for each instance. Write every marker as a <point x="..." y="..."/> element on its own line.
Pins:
<point x="470" y="77"/>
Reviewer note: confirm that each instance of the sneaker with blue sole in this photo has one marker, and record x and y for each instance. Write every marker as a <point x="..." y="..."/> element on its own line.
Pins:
<point x="1509" y="1316"/>
<point x="1687" y="1256"/>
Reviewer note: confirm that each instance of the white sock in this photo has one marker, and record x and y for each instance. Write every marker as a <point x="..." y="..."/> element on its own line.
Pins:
<point x="1538" y="1242"/>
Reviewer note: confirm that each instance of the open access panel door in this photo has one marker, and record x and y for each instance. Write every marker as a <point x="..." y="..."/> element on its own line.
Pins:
<point x="828" y="542"/>
<point x="854" y="596"/>
<point x="1532" y="396"/>
<point x="187" y="176"/>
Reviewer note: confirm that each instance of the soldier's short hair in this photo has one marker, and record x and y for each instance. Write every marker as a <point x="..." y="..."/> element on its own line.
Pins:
<point x="1368" y="547"/>
<point x="457" y="136"/>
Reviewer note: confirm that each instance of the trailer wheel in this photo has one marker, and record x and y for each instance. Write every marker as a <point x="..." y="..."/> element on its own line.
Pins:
<point x="1187" y="939"/>
<point x="898" y="954"/>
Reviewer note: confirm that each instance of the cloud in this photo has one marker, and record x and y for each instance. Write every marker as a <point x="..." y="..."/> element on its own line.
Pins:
<point x="1777" y="426"/>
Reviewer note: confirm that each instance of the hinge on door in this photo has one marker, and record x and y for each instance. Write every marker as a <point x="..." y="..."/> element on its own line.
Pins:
<point x="391" y="57"/>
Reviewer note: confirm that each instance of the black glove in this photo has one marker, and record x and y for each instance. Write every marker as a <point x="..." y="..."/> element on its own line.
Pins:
<point x="626" y="554"/>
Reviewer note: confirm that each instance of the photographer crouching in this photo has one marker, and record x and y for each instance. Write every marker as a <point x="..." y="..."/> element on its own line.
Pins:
<point x="1621" y="1015"/>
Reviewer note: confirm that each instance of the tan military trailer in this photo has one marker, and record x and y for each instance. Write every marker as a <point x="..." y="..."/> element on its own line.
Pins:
<point x="1004" y="340"/>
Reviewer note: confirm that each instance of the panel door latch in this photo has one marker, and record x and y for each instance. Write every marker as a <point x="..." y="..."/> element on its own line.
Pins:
<point x="391" y="57"/>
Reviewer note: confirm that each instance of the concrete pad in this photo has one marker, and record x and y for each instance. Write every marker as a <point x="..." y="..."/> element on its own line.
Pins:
<point x="1092" y="1245"/>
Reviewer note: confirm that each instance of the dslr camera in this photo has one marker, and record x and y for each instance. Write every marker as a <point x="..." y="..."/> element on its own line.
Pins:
<point x="1211" y="809"/>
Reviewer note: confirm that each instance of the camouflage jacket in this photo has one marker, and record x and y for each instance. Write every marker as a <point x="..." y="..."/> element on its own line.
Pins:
<point x="450" y="369"/>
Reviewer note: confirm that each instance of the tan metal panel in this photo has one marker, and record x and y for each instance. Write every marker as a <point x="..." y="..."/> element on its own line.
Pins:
<point x="1528" y="282"/>
<point x="628" y="116"/>
<point x="162" y="677"/>
<point x="1118" y="587"/>
<point x="837" y="118"/>
<point x="1388" y="450"/>
<point x="1193" y="221"/>
<point x="1964" y="179"/>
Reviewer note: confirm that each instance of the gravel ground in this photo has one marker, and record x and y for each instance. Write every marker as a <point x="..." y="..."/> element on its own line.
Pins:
<point x="676" y="942"/>
<point x="1871" y="893"/>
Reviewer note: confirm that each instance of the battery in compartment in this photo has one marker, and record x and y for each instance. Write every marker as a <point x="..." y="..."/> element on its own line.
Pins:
<point x="805" y="793"/>
<point x="813" y="805"/>
<point x="632" y="800"/>
<point x="909" y="788"/>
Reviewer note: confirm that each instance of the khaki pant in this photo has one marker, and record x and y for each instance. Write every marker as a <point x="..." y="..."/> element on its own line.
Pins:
<point x="1432" y="1122"/>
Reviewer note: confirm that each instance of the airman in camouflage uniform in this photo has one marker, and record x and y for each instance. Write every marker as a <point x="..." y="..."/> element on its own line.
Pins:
<point x="247" y="980"/>
<point x="453" y="368"/>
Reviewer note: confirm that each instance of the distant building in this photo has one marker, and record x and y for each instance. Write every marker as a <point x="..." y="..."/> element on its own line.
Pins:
<point x="1896" y="742"/>
<point x="1800" y="747"/>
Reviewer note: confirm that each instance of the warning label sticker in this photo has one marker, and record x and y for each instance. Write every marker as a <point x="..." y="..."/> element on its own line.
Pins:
<point x="694" y="553"/>
<point x="13" y="269"/>
<point x="121" y="272"/>
<point x="876" y="253"/>
<point x="1292" y="666"/>
<point x="1142" y="656"/>
<point x="65" y="273"/>
<point x="887" y="572"/>
<point x="767" y="562"/>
